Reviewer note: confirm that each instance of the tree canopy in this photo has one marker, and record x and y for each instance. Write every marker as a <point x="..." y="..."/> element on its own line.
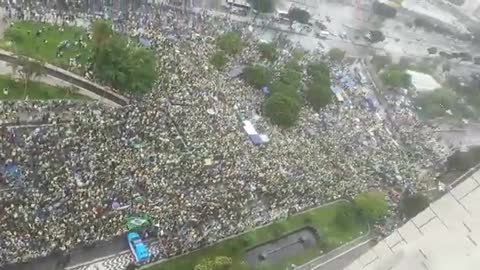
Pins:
<point x="318" y="69"/>
<point x="101" y="33"/>
<point x="284" y="103"/>
<point x="263" y="6"/>
<point x="336" y="54"/>
<point x="318" y="92"/>
<point x="291" y="77"/>
<point x="372" y="205"/>
<point x="396" y="77"/>
<point x="257" y="76"/>
<point x="126" y="68"/>
<point x="230" y="42"/>
<point x="319" y="95"/>
<point x="219" y="60"/>
<point x="376" y="36"/>
<point x="294" y="65"/>
<point x="268" y="51"/>
<point x="299" y="15"/>
<point x="279" y="86"/>
<point x="282" y="108"/>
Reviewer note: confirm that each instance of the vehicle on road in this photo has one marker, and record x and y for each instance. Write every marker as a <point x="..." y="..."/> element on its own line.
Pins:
<point x="322" y="34"/>
<point x="138" y="248"/>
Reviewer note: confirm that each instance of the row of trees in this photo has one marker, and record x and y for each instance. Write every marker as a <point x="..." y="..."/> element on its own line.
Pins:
<point x="284" y="102"/>
<point x="122" y="64"/>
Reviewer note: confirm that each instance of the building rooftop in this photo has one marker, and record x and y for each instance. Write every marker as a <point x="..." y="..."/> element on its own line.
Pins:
<point x="444" y="236"/>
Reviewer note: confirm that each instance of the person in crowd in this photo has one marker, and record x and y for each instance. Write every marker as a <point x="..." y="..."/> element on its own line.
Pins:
<point x="85" y="167"/>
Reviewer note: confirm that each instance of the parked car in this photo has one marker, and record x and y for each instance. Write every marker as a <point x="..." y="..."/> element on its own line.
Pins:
<point x="138" y="248"/>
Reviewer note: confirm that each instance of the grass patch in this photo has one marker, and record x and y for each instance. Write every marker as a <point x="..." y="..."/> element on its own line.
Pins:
<point x="28" y="38"/>
<point x="322" y="219"/>
<point x="35" y="90"/>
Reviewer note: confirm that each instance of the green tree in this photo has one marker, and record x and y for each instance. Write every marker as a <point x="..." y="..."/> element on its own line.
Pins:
<point x="372" y="205"/>
<point x="291" y="77"/>
<point x="141" y="72"/>
<point x="268" y="51"/>
<point x="279" y="86"/>
<point x="294" y="65"/>
<point x="318" y="92"/>
<point x="413" y="204"/>
<point x="230" y="42"/>
<point x="346" y="216"/>
<point x="126" y="68"/>
<point x="219" y="60"/>
<point x="101" y="35"/>
<point x="263" y="6"/>
<point x="319" y="95"/>
<point x="299" y="15"/>
<point x="28" y="70"/>
<point x="336" y="54"/>
<point x="318" y="69"/>
<point x="282" y="109"/>
<point x="396" y="77"/>
<point x="257" y="76"/>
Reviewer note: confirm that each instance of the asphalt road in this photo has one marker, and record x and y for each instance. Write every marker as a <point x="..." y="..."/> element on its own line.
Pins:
<point x="345" y="259"/>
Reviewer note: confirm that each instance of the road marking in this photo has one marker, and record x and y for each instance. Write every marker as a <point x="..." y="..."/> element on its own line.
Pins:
<point x="97" y="260"/>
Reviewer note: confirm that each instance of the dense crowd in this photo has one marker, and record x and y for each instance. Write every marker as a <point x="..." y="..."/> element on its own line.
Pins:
<point x="180" y="153"/>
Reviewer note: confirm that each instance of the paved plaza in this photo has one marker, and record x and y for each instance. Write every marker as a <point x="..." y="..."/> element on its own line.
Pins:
<point x="444" y="236"/>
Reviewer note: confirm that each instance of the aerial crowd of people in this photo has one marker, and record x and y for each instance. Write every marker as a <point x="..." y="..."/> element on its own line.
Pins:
<point x="72" y="171"/>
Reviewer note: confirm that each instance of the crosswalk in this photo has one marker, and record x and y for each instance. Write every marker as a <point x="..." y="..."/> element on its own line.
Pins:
<point x="118" y="261"/>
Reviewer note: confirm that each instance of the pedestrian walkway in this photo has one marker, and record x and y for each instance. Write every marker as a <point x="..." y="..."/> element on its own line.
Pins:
<point x="444" y="236"/>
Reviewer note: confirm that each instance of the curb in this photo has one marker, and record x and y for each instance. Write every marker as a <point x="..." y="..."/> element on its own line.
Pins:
<point x="247" y="231"/>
